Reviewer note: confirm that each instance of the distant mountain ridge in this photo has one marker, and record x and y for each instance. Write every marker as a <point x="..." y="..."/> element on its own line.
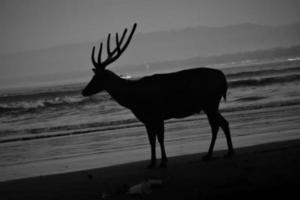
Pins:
<point x="279" y="53"/>
<point x="209" y="41"/>
<point x="155" y="47"/>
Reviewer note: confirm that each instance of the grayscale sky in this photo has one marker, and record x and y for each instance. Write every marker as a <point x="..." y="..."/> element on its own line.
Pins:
<point x="35" y="24"/>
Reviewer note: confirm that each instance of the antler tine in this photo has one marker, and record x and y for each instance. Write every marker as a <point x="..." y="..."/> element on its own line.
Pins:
<point x="109" y="54"/>
<point x="93" y="58"/>
<point x="122" y="38"/>
<point x="130" y="37"/>
<point x="117" y="41"/>
<point x="100" y="53"/>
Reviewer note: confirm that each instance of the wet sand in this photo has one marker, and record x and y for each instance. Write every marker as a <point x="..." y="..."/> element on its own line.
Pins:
<point x="262" y="171"/>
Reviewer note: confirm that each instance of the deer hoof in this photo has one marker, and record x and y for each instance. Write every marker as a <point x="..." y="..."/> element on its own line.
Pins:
<point x="163" y="165"/>
<point x="151" y="165"/>
<point x="206" y="157"/>
<point x="229" y="154"/>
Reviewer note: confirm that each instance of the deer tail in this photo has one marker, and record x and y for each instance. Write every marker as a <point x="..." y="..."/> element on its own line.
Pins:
<point x="224" y="96"/>
<point x="225" y="90"/>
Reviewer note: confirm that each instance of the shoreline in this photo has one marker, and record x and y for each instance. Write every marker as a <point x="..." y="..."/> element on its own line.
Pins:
<point x="270" y="169"/>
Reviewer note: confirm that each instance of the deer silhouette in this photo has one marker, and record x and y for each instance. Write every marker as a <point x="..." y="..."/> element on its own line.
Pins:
<point x="159" y="97"/>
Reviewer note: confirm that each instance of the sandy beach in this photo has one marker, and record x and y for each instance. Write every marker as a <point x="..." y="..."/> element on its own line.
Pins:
<point x="267" y="170"/>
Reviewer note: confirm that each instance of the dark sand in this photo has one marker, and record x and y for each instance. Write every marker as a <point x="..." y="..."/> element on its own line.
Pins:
<point x="264" y="171"/>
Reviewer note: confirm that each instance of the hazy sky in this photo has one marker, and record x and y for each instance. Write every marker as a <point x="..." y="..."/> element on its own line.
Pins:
<point x="35" y="24"/>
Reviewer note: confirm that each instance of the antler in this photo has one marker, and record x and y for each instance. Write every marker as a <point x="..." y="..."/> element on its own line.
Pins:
<point x="116" y="53"/>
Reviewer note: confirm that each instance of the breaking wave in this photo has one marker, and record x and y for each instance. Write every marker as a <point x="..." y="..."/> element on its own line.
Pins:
<point x="264" y="81"/>
<point x="49" y="102"/>
<point x="69" y="99"/>
<point x="255" y="73"/>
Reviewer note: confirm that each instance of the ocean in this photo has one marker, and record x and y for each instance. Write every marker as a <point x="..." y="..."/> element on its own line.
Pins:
<point x="50" y="123"/>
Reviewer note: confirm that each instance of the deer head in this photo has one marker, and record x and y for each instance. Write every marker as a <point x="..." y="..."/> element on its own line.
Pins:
<point x="97" y="83"/>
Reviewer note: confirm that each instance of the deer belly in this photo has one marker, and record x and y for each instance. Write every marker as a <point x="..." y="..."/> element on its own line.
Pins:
<point x="180" y="111"/>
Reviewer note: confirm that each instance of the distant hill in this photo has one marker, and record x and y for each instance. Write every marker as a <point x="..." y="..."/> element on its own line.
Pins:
<point x="153" y="47"/>
<point x="209" y="41"/>
<point x="281" y="53"/>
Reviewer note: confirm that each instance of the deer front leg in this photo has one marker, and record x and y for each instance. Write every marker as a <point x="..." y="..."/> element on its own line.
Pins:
<point x="156" y="129"/>
<point x="160" y="137"/>
<point x="152" y="141"/>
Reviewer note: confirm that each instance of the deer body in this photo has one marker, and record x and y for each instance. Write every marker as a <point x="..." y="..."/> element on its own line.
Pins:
<point x="172" y="95"/>
<point x="159" y="97"/>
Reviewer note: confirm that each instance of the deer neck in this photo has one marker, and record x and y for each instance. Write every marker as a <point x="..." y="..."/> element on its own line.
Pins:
<point x="116" y="87"/>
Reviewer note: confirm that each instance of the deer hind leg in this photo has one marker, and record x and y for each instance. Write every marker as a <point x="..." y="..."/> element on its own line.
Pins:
<point x="214" y="124"/>
<point x="225" y="126"/>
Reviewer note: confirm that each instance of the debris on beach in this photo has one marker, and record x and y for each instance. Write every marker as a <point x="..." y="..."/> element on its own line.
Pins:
<point x="110" y="192"/>
<point x="104" y="195"/>
<point x="155" y="183"/>
<point x="145" y="187"/>
<point x="142" y="188"/>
